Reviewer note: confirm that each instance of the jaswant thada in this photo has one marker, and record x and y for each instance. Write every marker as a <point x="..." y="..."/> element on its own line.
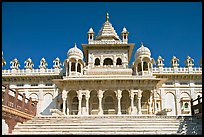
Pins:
<point x="101" y="80"/>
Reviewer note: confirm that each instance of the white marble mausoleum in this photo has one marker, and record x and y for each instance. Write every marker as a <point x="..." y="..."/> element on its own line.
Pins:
<point x="101" y="80"/>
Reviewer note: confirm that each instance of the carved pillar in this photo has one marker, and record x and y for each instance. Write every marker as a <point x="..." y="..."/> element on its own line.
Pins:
<point x="70" y="63"/>
<point x="132" y="102"/>
<point x="40" y="102"/>
<point x="136" y="70"/>
<point x="16" y="99"/>
<point x="76" y="64"/>
<point x="155" y="101"/>
<point x="142" y="66"/>
<point x="100" y="96"/>
<point x="139" y="101"/>
<point x="67" y="107"/>
<point x="87" y="102"/>
<point x="119" y="95"/>
<point x="114" y="60"/>
<point x="64" y="98"/>
<point x="79" y="98"/>
<point x="148" y="68"/>
<point x="150" y="103"/>
<point x="101" y="60"/>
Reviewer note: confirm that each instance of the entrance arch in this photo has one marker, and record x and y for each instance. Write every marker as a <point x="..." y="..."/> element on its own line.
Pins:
<point x="109" y="105"/>
<point x="74" y="106"/>
<point x="125" y="103"/>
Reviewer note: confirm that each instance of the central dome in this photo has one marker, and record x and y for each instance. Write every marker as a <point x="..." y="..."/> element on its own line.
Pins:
<point x="75" y="52"/>
<point x="143" y="51"/>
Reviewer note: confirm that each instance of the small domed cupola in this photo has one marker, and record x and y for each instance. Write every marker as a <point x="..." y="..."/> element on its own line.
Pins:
<point x="124" y="34"/>
<point x="142" y="51"/>
<point x="75" y="53"/>
<point x="74" y="63"/>
<point x="90" y="35"/>
<point x="143" y="63"/>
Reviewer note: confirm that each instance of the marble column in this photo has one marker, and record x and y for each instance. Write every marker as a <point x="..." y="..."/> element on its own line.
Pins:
<point x="139" y="105"/>
<point x="150" y="104"/>
<point x="67" y="107"/>
<point x="132" y="103"/>
<point x="119" y="95"/>
<point x="139" y="102"/>
<point x="76" y="64"/>
<point x="79" y="98"/>
<point x="148" y="68"/>
<point x="136" y="70"/>
<point x="87" y="102"/>
<point x="100" y="96"/>
<point x="70" y="63"/>
<point x="155" y="101"/>
<point x="64" y="98"/>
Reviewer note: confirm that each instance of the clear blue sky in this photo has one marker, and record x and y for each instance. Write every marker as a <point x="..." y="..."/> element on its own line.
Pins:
<point x="50" y="29"/>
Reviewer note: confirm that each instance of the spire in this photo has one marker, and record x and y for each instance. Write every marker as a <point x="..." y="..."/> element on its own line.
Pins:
<point x="107" y="16"/>
<point x="107" y="31"/>
<point x="142" y="45"/>
<point x="75" y="45"/>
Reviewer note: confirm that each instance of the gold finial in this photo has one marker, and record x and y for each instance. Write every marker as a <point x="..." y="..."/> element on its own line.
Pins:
<point x="107" y="16"/>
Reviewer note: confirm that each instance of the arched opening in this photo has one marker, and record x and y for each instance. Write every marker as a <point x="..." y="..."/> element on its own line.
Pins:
<point x="97" y="62"/>
<point x="74" y="106"/>
<point x="94" y="103"/>
<point x="79" y="68"/>
<point x="145" y="66"/>
<point x="139" y="68"/>
<point x="73" y="66"/>
<point x="47" y="99"/>
<point x="125" y="103"/>
<point x="170" y="104"/>
<point x="119" y="61"/>
<point x="83" y="105"/>
<point x="108" y="61"/>
<point x="109" y="105"/>
<point x="144" y="102"/>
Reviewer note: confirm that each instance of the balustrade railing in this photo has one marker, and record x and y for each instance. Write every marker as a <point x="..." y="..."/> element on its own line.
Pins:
<point x="31" y="72"/>
<point x="12" y="98"/>
<point x="177" y="70"/>
<point x="196" y="106"/>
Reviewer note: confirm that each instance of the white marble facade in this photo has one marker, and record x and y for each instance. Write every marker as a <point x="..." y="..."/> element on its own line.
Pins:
<point x="101" y="80"/>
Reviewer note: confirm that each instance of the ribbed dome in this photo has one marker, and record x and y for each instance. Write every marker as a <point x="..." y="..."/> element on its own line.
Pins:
<point x="143" y="51"/>
<point x="75" y="52"/>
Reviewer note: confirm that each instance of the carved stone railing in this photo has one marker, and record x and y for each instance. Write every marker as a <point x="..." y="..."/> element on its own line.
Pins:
<point x="16" y="107"/>
<point x="196" y="106"/>
<point x="31" y="72"/>
<point x="176" y="70"/>
<point x="107" y="42"/>
<point x="13" y="99"/>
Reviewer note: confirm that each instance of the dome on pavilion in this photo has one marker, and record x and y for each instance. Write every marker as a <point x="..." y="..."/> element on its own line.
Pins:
<point x="75" y="52"/>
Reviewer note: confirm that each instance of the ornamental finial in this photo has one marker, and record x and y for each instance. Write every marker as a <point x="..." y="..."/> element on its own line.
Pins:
<point x="142" y="44"/>
<point x="75" y="45"/>
<point x="107" y="16"/>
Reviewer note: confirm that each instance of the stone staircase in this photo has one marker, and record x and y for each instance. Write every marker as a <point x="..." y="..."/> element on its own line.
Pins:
<point x="107" y="125"/>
